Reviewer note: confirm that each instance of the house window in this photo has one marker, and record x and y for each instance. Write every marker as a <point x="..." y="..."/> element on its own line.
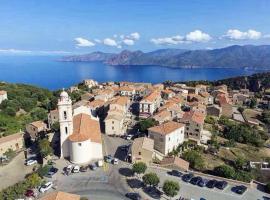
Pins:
<point x="112" y="128"/>
<point x="66" y="130"/>
<point x="169" y="139"/>
<point x="80" y="144"/>
<point x="161" y="139"/>
<point x="140" y="153"/>
<point x="112" y="122"/>
<point x="65" y="114"/>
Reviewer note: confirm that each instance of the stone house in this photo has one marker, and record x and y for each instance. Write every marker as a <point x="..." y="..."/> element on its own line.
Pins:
<point x="14" y="142"/>
<point x="194" y="122"/>
<point x="150" y="103"/>
<point x="3" y="95"/>
<point x="35" y="128"/>
<point x="142" y="150"/>
<point x="214" y="110"/>
<point x="167" y="136"/>
<point x="53" y="117"/>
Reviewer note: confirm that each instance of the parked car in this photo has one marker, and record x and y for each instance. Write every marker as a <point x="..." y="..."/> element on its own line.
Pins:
<point x="83" y="169"/>
<point x="30" y="162"/>
<point x="211" y="183"/>
<point x="115" y="161"/>
<point x="195" y="180"/>
<point x="52" y="171"/>
<point x="239" y="189"/>
<point x="221" y="185"/>
<point x="29" y="193"/>
<point x="45" y="187"/>
<point x="202" y="182"/>
<point x="129" y="137"/>
<point x="100" y="163"/>
<point x="93" y="166"/>
<point x="134" y="196"/>
<point x="176" y="173"/>
<point x="76" y="169"/>
<point x="187" y="177"/>
<point x="108" y="158"/>
<point x="69" y="168"/>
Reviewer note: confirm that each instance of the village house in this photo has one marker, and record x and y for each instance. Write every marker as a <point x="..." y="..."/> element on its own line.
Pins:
<point x="142" y="150"/>
<point x="117" y="117"/>
<point x="14" y="142"/>
<point x="198" y="107"/>
<point x="105" y="94"/>
<point x="240" y="99"/>
<point x="200" y="89"/>
<point x="149" y="104"/>
<point x="194" y="125"/>
<point x="214" y="110"/>
<point x="3" y="95"/>
<point x="167" y="94"/>
<point x="35" y="128"/>
<point x="208" y="99"/>
<point x="163" y="116"/>
<point x="53" y="117"/>
<point x="90" y="83"/>
<point x="80" y="135"/>
<point x="127" y="91"/>
<point x="59" y="195"/>
<point x="167" y="136"/>
<point x="225" y="104"/>
<point x="96" y="107"/>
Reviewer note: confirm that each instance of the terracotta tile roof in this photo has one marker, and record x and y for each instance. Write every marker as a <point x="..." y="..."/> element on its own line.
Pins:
<point x="175" y="162"/>
<point x="193" y="116"/>
<point x="166" y="128"/>
<point x="167" y="91"/>
<point x="10" y="138"/>
<point x="38" y="124"/>
<point x="144" y="143"/>
<point x="121" y="100"/>
<point x="85" y="128"/>
<point x="204" y="94"/>
<point x="60" y="196"/>
<point x="126" y="88"/>
<point x="152" y="96"/>
<point x="162" y="114"/>
<point x="2" y="92"/>
<point x="96" y="103"/>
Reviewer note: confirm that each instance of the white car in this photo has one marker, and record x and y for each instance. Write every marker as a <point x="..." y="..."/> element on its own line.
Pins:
<point x="115" y="161"/>
<point x="30" y="162"/>
<point x="45" y="187"/>
<point x="129" y="137"/>
<point x="76" y="169"/>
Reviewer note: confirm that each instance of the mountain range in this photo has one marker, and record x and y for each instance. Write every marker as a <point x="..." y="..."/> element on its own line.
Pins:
<point x="248" y="56"/>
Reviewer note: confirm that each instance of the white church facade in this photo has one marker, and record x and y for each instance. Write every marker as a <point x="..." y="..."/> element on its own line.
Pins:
<point x="80" y="135"/>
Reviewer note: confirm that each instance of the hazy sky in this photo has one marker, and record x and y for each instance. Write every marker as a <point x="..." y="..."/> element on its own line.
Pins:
<point x="61" y="26"/>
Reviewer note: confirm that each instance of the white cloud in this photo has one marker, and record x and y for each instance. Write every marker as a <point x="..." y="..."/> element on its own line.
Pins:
<point x="194" y="36"/>
<point x="267" y="36"/>
<point x="235" y="34"/>
<point x="168" y="40"/>
<point x="134" y="36"/>
<point x="81" y="42"/>
<point x="197" y="36"/>
<point x="128" y="42"/>
<point x="110" y="42"/>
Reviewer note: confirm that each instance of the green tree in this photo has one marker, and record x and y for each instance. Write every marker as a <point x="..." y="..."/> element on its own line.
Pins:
<point x="194" y="158"/>
<point x="240" y="162"/>
<point x="139" y="168"/>
<point x="267" y="187"/>
<point x="253" y="102"/>
<point x="171" y="188"/>
<point x="43" y="170"/>
<point x="151" y="179"/>
<point x="224" y="171"/>
<point x="147" y="123"/>
<point x="39" y="114"/>
<point x="241" y="109"/>
<point x="33" y="180"/>
<point x="45" y="148"/>
<point x="56" y="126"/>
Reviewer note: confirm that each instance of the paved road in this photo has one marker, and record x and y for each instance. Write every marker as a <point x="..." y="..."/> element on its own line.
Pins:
<point x="14" y="172"/>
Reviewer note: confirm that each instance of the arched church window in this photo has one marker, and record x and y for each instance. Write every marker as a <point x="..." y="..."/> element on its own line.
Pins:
<point x="65" y="114"/>
<point x="66" y="130"/>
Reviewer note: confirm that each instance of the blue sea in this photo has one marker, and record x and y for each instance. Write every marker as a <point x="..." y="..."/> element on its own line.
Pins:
<point x="46" y="71"/>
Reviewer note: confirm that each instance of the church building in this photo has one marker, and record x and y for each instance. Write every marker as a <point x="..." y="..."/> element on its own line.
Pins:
<point x="80" y="135"/>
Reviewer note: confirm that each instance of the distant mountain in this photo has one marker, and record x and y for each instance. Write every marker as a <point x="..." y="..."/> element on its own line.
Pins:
<point x="248" y="56"/>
